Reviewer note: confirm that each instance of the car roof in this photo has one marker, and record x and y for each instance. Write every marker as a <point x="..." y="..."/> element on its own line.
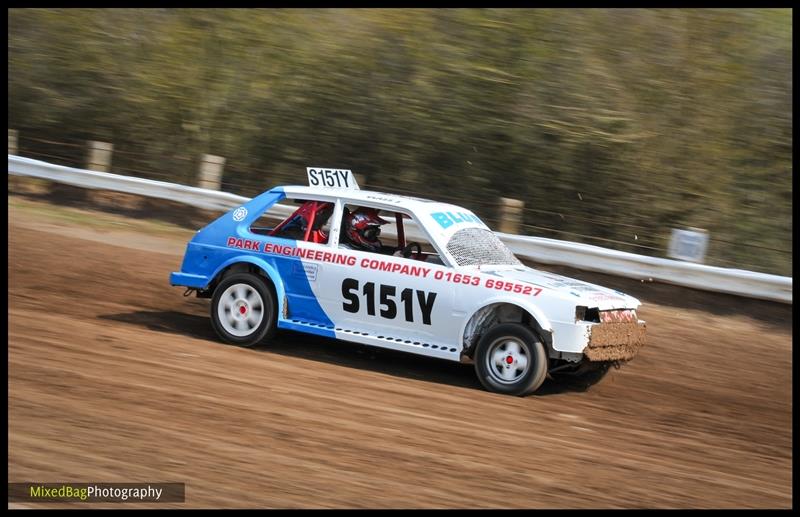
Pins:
<point x="385" y="200"/>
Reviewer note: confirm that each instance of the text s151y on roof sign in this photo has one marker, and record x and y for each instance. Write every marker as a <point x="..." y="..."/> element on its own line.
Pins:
<point x="333" y="178"/>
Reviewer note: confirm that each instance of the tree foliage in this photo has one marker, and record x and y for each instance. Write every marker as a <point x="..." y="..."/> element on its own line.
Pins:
<point x="613" y="125"/>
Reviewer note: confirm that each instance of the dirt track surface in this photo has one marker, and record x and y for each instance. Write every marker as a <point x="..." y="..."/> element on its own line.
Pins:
<point x="115" y="377"/>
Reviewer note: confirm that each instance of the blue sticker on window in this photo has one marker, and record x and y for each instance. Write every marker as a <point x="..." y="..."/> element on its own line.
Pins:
<point x="447" y="219"/>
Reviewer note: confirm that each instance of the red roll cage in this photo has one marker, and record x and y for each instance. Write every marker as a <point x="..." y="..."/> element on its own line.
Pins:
<point x="311" y="215"/>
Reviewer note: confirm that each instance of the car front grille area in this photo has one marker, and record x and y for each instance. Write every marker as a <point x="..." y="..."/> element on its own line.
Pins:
<point x="618" y="316"/>
<point x="613" y="316"/>
<point x="616" y="336"/>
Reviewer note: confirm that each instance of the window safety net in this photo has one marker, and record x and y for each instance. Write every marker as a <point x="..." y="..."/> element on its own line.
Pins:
<point x="479" y="246"/>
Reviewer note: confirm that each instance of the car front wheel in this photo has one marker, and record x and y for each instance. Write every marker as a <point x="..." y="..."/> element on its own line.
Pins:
<point x="510" y="359"/>
<point x="243" y="310"/>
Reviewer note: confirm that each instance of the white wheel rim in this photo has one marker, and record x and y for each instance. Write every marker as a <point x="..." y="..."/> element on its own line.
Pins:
<point x="507" y="360"/>
<point x="240" y="310"/>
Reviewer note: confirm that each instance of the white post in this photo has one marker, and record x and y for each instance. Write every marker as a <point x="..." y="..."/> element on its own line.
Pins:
<point x="99" y="158"/>
<point x="510" y="215"/>
<point x="12" y="141"/>
<point x="689" y="244"/>
<point x="211" y="171"/>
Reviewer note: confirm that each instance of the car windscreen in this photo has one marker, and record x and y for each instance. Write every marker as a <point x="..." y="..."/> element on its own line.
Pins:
<point x="480" y="246"/>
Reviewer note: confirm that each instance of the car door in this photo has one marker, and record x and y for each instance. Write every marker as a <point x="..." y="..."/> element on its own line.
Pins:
<point x="297" y="262"/>
<point x="385" y="295"/>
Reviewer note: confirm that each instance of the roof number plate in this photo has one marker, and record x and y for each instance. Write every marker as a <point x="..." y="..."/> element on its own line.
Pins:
<point x="331" y="178"/>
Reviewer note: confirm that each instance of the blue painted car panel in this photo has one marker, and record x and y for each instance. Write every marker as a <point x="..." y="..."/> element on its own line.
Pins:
<point x="208" y="253"/>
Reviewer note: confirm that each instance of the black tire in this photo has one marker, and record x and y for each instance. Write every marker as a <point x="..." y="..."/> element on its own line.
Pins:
<point x="243" y="328"/>
<point x="506" y="375"/>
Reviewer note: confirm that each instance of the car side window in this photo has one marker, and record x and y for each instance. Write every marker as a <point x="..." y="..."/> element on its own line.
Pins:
<point x="269" y="219"/>
<point x="310" y="222"/>
<point x="384" y="232"/>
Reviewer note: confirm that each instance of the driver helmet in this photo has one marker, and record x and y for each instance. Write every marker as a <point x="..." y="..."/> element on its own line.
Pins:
<point x="363" y="227"/>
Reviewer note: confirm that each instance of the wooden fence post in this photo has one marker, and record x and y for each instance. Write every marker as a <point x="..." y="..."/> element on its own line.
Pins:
<point x="99" y="158"/>
<point x="211" y="172"/>
<point x="510" y="215"/>
<point x="12" y="141"/>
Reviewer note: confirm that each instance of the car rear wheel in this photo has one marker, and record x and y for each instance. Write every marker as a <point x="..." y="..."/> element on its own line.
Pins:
<point x="510" y="359"/>
<point x="243" y="310"/>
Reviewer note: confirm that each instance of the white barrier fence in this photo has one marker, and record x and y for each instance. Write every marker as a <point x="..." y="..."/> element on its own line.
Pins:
<point x="547" y="251"/>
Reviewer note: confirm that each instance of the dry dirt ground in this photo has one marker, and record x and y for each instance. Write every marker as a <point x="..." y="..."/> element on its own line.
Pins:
<point x="116" y="377"/>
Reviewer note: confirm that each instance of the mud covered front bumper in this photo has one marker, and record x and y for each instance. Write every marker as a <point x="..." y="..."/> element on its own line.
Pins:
<point x="615" y="341"/>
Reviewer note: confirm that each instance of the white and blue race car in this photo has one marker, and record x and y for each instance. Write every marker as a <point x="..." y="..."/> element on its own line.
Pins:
<point x="441" y="284"/>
